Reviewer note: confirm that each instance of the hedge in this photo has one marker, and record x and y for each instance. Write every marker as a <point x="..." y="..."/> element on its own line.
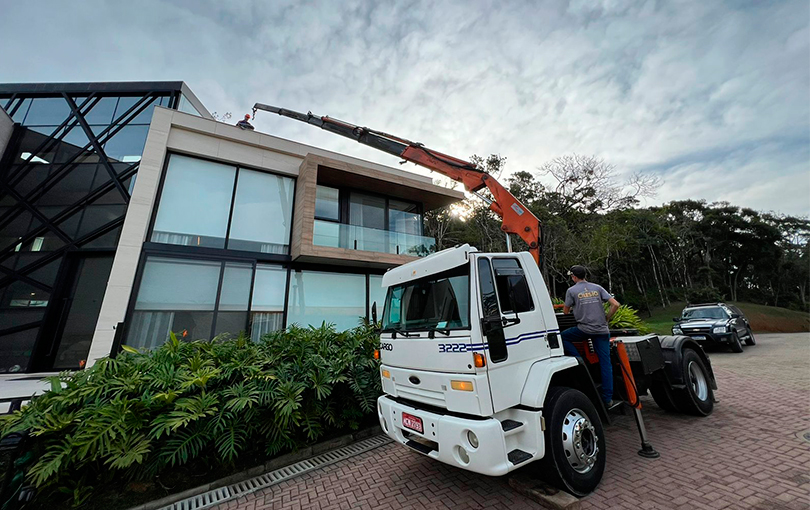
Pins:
<point x="141" y="413"/>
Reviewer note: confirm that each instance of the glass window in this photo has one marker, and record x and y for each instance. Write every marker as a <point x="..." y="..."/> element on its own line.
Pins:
<point x="404" y="217"/>
<point x="437" y="301"/>
<point x="15" y="350"/>
<point x="125" y="103"/>
<point x="195" y="203"/>
<point x="491" y="313"/>
<point x="317" y="297"/>
<point x="233" y="299"/>
<point x="513" y="289"/>
<point x="47" y="111"/>
<point x="262" y="213"/>
<point x="367" y="211"/>
<point x="185" y="106"/>
<point x="175" y="295"/>
<point x="102" y="112"/>
<point x="376" y="294"/>
<point x="22" y="295"/>
<point x="127" y="144"/>
<point x="267" y="305"/>
<point x="714" y="312"/>
<point x="327" y="203"/>
<point x="19" y="115"/>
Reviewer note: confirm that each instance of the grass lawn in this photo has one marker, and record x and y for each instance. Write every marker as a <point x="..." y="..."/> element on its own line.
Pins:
<point x="762" y="318"/>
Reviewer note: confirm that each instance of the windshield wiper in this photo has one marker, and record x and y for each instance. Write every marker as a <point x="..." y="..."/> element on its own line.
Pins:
<point x="394" y="332"/>
<point x="432" y="332"/>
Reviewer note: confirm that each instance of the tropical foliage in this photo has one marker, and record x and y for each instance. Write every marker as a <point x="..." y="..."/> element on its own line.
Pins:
<point x="140" y="413"/>
<point x="627" y="318"/>
<point x="647" y="256"/>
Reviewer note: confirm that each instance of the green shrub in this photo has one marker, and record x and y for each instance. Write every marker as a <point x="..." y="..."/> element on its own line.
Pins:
<point x="627" y="318"/>
<point x="136" y="415"/>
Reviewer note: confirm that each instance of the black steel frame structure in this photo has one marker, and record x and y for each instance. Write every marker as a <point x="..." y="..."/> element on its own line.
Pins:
<point x="21" y="165"/>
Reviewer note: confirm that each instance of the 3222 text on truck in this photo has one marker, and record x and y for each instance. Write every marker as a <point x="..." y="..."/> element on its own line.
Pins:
<point x="472" y="364"/>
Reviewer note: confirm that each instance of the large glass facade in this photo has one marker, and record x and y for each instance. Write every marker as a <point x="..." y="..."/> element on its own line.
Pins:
<point x="199" y="206"/>
<point x="316" y="297"/>
<point x="65" y="181"/>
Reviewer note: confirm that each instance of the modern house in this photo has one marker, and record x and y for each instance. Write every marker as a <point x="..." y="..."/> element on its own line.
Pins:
<point x="127" y="211"/>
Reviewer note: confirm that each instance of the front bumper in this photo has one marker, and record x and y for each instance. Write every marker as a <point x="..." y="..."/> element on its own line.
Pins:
<point x="445" y="438"/>
<point x="718" y="338"/>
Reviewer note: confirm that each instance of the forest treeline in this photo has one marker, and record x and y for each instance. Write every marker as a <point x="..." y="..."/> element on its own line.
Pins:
<point x="686" y="250"/>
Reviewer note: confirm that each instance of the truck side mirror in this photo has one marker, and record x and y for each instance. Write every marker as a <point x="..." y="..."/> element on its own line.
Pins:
<point x="676" y="319"/>
<point x="374" y="312"/>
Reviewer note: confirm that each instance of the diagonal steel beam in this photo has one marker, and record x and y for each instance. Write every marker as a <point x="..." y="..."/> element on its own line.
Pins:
<point x="97" y="146"/>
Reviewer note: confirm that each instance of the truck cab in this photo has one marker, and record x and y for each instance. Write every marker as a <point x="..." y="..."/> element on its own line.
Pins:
<point x="468" y="346"/>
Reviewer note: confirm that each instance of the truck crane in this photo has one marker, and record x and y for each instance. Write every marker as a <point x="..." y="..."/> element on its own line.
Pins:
<point x="472" y="367"/>
<point x="517" y="219"/>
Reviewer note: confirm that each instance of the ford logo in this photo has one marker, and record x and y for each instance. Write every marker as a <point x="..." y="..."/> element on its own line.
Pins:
<point x="414" y="379"/>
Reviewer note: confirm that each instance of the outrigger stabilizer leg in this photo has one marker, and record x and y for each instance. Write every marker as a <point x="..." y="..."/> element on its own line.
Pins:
<point x="647" y="449"/>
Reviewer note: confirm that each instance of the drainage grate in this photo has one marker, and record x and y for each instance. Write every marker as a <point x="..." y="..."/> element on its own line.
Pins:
<point x="223" y="494"/>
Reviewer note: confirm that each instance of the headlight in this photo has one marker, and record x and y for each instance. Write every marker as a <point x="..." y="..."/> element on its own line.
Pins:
<point x="720" y="329"/>
<point x="677" y="331"/>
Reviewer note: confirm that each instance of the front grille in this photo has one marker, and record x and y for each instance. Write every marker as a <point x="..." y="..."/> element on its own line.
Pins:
<point x="432" y="397"/>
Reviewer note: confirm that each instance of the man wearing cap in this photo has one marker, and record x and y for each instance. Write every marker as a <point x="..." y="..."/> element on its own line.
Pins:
<point x="586" y="299"/>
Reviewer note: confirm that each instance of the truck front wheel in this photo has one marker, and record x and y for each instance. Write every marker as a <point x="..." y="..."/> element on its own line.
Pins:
<point x="575" y="442"/>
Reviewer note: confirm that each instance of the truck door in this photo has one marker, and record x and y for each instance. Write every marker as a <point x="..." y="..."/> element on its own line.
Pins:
<point x="512" y="325"/>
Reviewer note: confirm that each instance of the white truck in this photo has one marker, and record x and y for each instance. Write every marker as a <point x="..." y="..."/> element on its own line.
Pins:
<point x="473" y="369"/>
<point x="474" y="374"/>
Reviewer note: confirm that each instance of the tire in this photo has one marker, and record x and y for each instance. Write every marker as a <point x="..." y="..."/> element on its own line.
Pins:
<point x="750" y="340"/>
<point x="662" y="395"/>
<point x="697" y="397"/>
<point x="575" y="469"/>
<point x="736" y="345"/>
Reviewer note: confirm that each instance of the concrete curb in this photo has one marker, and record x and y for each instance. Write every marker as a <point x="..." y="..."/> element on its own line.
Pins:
<point x="270" y="465"/>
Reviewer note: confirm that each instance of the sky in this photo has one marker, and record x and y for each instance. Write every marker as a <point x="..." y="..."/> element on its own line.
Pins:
<point x="712" y="97"/>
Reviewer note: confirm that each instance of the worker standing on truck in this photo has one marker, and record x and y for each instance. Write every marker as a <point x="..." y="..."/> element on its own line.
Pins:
<point x="586" y="299"/>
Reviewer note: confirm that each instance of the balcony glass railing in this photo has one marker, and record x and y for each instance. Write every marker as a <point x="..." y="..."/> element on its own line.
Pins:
<point x="354" y="237"/>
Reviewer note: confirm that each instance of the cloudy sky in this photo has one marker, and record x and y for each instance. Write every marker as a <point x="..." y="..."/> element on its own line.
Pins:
<point x="713" y="97"/>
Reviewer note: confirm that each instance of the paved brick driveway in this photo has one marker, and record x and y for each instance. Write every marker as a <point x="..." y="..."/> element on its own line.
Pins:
<point x="745" y="455"/>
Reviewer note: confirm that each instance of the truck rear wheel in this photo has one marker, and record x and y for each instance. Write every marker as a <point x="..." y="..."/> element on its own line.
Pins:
<point x="575" y="442"/>
<point x="697" y="397"/>
<point x="662" y="394"/>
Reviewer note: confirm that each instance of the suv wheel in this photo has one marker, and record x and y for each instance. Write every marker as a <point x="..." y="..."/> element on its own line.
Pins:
<point x="750" y="340"/>
<point x="736" y="345"/>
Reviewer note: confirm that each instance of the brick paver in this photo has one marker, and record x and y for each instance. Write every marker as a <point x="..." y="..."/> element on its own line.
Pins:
<point x="745" y="455"/>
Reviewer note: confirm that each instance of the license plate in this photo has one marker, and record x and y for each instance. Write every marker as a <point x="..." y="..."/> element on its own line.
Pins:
<point x="412" y="422"/>
<point x="699" y="337"/>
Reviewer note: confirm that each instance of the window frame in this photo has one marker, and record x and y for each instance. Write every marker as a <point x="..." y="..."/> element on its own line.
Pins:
<point x="344" y="207"/>
<point x="498" y="292"/>
<point x="206" y="249"/>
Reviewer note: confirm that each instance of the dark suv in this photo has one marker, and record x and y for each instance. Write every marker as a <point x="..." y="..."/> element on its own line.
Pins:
<point x="719" y="323"/>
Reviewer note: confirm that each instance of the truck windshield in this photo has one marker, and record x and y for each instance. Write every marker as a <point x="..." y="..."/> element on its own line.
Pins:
<point x="440" y="301"/>
<point x="714" y="312"/>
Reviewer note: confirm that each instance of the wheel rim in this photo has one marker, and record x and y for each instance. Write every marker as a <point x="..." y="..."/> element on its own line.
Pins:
<point x="698" y="380"/>
<point x="579" y="441"/>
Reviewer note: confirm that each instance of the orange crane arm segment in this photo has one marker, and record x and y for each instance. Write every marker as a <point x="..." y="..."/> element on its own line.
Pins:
<point x="516" y="218"/>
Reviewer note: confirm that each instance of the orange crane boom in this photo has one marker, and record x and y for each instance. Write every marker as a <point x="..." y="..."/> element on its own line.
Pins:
<point x="516" y="218"/>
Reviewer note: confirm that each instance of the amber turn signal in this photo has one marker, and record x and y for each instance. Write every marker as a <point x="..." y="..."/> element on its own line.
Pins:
<point x="386" y="374"/>
<point x="376" y="354"/>
<point x="461" y="385"/>
<point x="480" y="360"/>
